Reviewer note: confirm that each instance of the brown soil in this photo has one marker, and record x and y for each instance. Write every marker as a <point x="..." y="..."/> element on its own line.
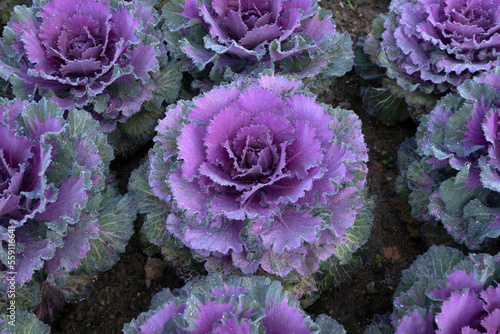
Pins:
<point x="125" y="291"/>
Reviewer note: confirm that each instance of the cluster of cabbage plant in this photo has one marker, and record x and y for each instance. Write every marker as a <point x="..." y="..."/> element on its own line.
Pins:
<point x="257" y="175"/>
<point x="445" y="291"/>
<point x="251" y="177"/>
<point x="61" y="218"/>
<point x="105" y="57"/>
<point x="427" y="48"/>
<point x="229" y="39"/>
<point x="451" y="170"/>
<point x="229" y="305"/>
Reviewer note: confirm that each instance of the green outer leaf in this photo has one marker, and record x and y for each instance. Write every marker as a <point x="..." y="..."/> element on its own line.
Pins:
<point x="422" y="183"/>
<point x="27" y="297"/>
<point x="437" y="262"/>
<point x="358" y="234"/>
<point x="115" y="217"/>
<point x="342" y="264"/>
<point x="155" y="223"/>
<point x="473" y="90"/>
<point x="416" y="297"/>
<point x="25" y="323"/>
<point x="414" y="99"/>
<point x="490" y="268"/>
<point x="140" y="127"/>
<point x="329" y="326"/>
<point x="381" y="103"/>
<point x="366" y="68"/>
<point x="378" y="25"/>
<point x="407" y="155"/>
<point x="77" y="287"/>
<point x="339" y="57"/>
<point x="479" y="217"/>
<point x="426" y="273"/>
<point x="456" y="195"/>
<point x="173" y="21"/>
<point x="80" y="122"/>
<point x="167" y="86"/>
<point x="334" y="273"/>
<point x="379" y="326"/>
<point x="187" y="265"/>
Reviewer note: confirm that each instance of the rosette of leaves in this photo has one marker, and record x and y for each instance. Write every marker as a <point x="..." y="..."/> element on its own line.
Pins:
<point x="221" y="40"/>
<point x="446" y="292"/>
<point x="104" y="57"/>
<point x="256" y="175"/>
<point x="450" y="171"/>
<point x="230" y="305"/>
<point x="427" y="48"/>
<point x="61" y="218"/>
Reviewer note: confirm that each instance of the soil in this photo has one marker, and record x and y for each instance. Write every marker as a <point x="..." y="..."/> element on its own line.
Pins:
<point x="125" y="291"/>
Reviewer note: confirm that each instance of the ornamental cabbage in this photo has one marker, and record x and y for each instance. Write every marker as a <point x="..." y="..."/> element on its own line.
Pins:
<point x="446" y="292"/>
<point x="89" y="54"/>
<point x="451" y="171"/>
<point x="61" y="219"/>
<point x="231" y="305"/>
<point x="256" y="174"/>
<point x="430" y="47"/>
<point x="227" y="37"/>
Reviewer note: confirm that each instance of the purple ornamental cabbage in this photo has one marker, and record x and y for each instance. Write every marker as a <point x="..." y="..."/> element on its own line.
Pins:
<point x="90" y="54"/>
<point x="59" y="213"/>
<point x="445" y="292"/>
<point x="258" y="176"/>
<point x="245" y="37"/>
<point x="452" y="173"/>
<point x="430" y="47"/>
<point x="231" y="305"/>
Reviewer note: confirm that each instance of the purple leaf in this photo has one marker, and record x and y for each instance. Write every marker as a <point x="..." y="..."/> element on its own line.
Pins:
<point x="491" y="297"/>
<point x="288" y="230"/>
<point x="257" y="36"/>
<point x="74" y="248"/>
<point x="458" y="281"/>
<point x="70" y="199"/>
<point x="415" y="323"/>
<point x="458" y="311"/>
<point x="157" y="321"/>
<point x="282" y="319"/>
<point x="210" y="104"/>
<point x="208" y="239"/>
<point x="191" y="149"/>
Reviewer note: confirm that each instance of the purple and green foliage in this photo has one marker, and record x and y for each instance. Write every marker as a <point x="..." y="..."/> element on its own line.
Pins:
<point x="22" y="322"/>
<point x="104" y="57"/>
<point x="257" y="175"/>
<point x="446" y="292"/>
<point x="451" y="170"/>
<point x="224" y="39"/>
<point x="428" y="48"/>
<point x="231" y="305"/>
<point x="61" y="220"/>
